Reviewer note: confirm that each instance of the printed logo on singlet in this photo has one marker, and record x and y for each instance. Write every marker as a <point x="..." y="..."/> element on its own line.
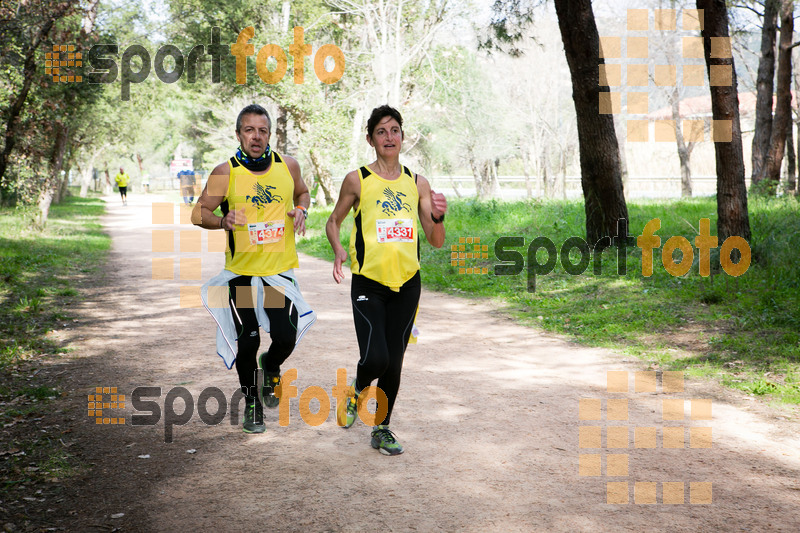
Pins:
<point x="362" y="298"/>
<point x="394" y="202"/>
<point x="263" y="195"/>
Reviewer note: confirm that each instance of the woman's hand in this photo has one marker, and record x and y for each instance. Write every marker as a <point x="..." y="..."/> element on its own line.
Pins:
<point x="438" y="204"/>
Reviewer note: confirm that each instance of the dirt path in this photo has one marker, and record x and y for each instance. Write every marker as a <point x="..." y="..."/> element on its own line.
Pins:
<point x="488" y="413"/>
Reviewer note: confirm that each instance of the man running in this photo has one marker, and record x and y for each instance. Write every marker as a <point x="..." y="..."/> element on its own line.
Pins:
<point x="263" y="201"/>
<point x="122" y="180"/>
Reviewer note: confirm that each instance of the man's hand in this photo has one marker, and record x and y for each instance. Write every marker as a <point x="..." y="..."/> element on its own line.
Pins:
<point x="341" y="257"/>
<point x="299" y="217"/>
<point x="234" y="218"/>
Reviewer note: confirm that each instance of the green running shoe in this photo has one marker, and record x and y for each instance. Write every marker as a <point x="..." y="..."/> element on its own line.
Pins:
<point x="271" y="382"/>
<point x="347" y="409"/>
<point x="253" y="416"/>
<point x="384" y="441"/>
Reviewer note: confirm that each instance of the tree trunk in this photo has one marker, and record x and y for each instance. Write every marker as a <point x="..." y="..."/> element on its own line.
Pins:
<point x="485" y="176"/>
<point x="764" y="90"/>
<point x="323" y="177"/>
<point x="490" y="175"/>
<point x="601" y="176"/>
<point x="526" y="171"/>
<point x="732" y="216"/>
<point x="623" y="160"/>
<point x="543" y="168"/>
<point x="795" y="188"/>
<point x="281" y="130"/>
<point x="684" y="153"/>
<point x="791" y="160"/>
<point x="86" y="178"/>
<point x="45" y="200"/>
<point x="783" y="100"/>
<point x="107" y="188"/>
<point x="50" y="191"/>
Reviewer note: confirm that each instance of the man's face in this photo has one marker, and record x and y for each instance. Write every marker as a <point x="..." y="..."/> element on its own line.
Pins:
<point x="254" y="134"/>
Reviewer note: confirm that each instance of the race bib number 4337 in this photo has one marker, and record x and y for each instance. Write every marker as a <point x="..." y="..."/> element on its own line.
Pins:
<point x="266" y="232"/>
<point x="395" y="230"/>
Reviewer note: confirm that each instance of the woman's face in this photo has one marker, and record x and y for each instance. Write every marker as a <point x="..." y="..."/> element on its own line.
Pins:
<point x="387" y="137"/>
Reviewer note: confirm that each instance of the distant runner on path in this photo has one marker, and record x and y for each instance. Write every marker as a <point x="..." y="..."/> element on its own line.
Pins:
<point x="387" y="199"/>
<point x="263" y="200"/>
<point x="122" y="180"/>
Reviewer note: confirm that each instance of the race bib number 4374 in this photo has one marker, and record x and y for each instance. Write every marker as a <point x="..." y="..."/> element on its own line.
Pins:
<point x="266" y="232"/>
<point x="395" y="230"/>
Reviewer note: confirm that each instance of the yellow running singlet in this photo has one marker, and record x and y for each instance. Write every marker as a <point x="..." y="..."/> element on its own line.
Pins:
<point x="384" y="244"/>
<point x="265" y="245"/>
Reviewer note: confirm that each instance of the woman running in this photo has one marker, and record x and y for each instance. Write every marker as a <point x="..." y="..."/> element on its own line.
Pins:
<point x="387" y="199"/>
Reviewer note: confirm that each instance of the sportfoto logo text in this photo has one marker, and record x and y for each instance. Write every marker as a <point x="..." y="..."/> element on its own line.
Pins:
<point x="329" y="61"/>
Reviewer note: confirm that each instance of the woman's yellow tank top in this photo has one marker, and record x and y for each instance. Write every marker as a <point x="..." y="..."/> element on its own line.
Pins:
<point x="265" y="245"/>
<point x="384" y="244"/>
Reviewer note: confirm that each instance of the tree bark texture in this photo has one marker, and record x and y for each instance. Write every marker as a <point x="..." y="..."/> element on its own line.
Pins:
<point x="281" y="130"/>
<point x="783" y="99"/>
<point x="601" y="176"/>
<point x="764" y="90"/>
<point x="323" y="177"/>
<point x="51" y="191"/>
<point x="684" y="151"/>
<point x="791" y="159"/>
<point x="732" y="216"/>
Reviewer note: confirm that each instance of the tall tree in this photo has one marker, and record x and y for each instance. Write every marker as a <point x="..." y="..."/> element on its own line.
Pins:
<point x="668" y="44"/>
<point x="28" y="27"/>
<point x="783" y="100"/>
<point x="732" y="216"/>
<point x="764" y="91"/>
<point x="601" y="177"/>
<point x="791" y="159"/>
<point x="72" y="101"/>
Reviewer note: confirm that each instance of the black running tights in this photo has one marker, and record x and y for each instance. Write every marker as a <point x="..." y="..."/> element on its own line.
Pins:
<point x="282" y="332"/>
<point x="383" y="320"/>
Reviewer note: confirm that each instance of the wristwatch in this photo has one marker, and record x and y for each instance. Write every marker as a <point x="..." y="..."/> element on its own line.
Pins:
<point x="437" y="220"/>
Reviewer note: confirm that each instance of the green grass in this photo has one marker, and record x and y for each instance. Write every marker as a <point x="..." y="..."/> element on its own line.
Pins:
<point x="39" y="271"/>
<point x="743" y="331"/>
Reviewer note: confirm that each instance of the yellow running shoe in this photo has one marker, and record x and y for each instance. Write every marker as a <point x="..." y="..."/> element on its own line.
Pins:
<point x="346" y="410"/>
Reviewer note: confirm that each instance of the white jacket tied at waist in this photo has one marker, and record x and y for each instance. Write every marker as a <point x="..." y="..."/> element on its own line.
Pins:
<point x="223" y="315"/>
